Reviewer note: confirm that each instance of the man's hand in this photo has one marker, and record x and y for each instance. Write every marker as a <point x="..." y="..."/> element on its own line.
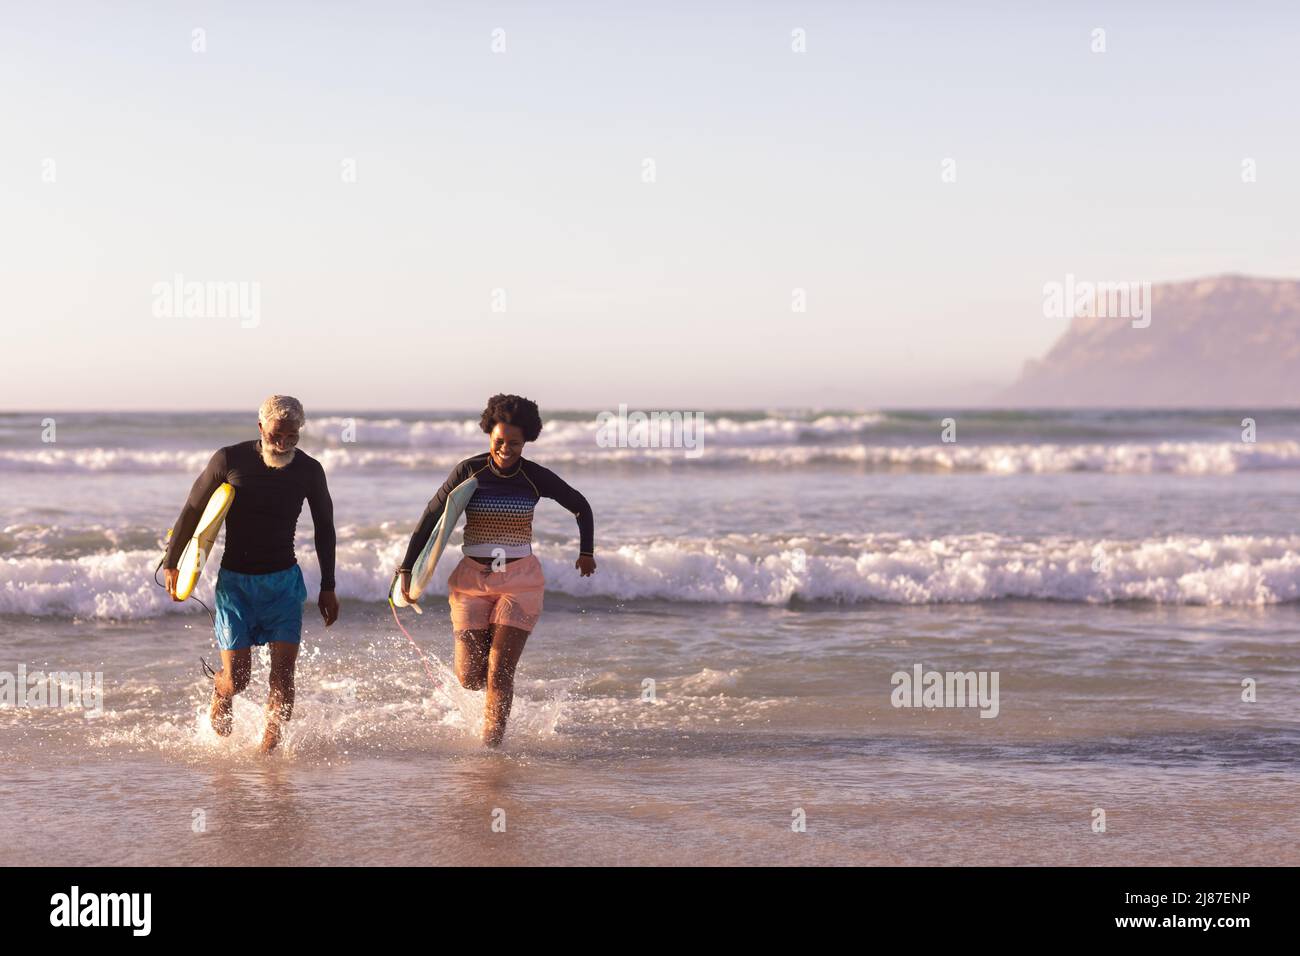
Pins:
<point x="171" y="576"/>
<point x="586" y="565"/>
<point x="329" y="607"/>
<point x="406" y="587"/>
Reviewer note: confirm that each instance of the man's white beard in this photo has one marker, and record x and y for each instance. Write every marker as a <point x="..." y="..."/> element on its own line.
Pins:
<point x="274" y="459"/>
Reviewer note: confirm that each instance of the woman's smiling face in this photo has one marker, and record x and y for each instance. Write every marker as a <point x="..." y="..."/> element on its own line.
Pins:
<point x="506" y="445"/>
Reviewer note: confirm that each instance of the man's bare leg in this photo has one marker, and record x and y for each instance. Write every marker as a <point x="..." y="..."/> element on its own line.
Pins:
<point x="236" y="666"/>
<point x="279" y="701"/>
<point x="507" y="646"/>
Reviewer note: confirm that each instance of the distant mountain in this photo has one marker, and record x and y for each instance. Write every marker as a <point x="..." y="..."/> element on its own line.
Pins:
<point x="1224" y="341"/>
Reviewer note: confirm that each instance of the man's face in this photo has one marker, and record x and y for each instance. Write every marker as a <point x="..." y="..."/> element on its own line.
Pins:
<point x="279" y="442"/>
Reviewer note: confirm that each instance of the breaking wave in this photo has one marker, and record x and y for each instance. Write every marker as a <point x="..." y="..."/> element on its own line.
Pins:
<point x="754" y="569"/>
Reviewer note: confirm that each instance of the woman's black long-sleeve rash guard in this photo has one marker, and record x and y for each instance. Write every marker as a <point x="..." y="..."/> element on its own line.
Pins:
<point x="499" y="516"/>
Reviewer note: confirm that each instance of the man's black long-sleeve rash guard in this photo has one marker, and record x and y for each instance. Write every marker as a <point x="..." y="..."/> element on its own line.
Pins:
<point x="499" y="516"/>
<point x="262" y="519"/>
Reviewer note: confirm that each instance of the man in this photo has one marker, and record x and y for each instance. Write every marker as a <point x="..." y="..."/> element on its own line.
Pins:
<point x="260" y="589"/>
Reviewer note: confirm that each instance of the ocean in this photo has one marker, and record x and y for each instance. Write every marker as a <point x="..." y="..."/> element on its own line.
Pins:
<point x="741" y="680"/>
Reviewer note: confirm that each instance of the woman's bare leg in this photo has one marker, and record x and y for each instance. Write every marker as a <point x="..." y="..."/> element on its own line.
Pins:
<point x="472" y="649"/>
<point x="507" y="646"/>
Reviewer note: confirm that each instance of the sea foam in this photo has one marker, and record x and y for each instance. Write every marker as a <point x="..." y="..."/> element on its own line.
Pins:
<point x="1177" y="569"/>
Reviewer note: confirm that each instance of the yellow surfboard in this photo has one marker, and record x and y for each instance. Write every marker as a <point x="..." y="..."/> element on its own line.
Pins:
<point x="199" y="547"/>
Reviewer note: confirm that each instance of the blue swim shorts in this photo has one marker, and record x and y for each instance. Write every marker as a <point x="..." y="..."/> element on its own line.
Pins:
<point x="253" y="609"/>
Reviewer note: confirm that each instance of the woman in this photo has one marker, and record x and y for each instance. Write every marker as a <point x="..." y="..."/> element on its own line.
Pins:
<point x="495" y="592"/>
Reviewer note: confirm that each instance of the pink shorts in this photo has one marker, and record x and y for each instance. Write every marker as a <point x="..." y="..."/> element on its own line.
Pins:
<point x="479" y="596"/>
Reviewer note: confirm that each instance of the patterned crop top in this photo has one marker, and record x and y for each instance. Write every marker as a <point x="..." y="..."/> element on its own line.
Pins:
<point x="499" y="516"/>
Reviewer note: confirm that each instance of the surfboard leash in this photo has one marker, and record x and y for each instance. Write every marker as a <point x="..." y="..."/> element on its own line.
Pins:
<point x="207" y="668"/>
<point x="199" y="601"/>
<point x="423" y="660"/>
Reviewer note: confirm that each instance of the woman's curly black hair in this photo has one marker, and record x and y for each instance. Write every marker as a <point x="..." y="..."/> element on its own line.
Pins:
<point x="512" y="410"/>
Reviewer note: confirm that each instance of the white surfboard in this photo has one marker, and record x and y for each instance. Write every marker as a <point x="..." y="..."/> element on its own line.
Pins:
<point x="422" y="572"/>
<point x="196" y="552"/>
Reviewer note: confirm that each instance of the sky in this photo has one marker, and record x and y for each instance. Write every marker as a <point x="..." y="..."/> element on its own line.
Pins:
<point x="593" y="204"/>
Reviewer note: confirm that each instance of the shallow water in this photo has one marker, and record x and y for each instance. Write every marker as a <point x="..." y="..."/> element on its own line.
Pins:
<point x="758" y="711"/>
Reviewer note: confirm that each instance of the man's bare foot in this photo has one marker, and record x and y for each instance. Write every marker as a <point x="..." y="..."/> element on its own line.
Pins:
<point x="219" y="714"/>
<point x="270" y="739"/>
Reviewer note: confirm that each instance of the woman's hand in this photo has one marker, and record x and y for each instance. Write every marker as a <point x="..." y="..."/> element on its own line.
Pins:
<point x="171" y="577"/>
<point x="586" y="565"/>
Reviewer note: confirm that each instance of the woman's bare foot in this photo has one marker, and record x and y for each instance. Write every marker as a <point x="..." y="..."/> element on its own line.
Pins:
<point x="270" y="739"/>
<point x="220" y="715"/>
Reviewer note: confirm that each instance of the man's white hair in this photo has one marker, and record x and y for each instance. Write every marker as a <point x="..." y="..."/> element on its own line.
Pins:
<point x="282" y="408"/>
